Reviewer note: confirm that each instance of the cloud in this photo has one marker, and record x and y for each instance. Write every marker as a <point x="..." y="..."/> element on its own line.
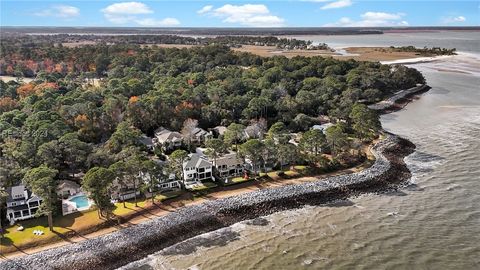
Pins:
<point x="59" y="11"/>
<point x="256" y="15"/>
<point x="452" y="20"/>
<point x="372" y="19"/>
<point x="337" y="4"/>
<point x="205" y="9"/>
<point x="131" y="12"/>
<point x="127" y="8"/>
<point x="154" y="22"/>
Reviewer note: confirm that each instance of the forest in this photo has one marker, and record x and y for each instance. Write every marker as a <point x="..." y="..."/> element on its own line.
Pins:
<point x="61" y="125"/>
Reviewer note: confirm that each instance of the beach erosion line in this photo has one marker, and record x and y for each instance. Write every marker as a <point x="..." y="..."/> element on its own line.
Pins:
<point x="136" y="242"/>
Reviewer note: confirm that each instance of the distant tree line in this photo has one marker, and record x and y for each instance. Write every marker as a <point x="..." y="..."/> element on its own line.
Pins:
<point x="425" y="50"/>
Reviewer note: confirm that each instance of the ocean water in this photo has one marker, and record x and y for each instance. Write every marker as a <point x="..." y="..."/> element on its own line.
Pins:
<point x="433" y="223"/>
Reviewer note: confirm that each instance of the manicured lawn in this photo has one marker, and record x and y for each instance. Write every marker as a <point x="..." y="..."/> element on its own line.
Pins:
<point x="238" y="180"/>
<point x="204" y="186"/>
<point x="63" y="224"/>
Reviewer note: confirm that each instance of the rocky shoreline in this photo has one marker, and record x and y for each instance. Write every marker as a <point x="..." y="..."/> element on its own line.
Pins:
<point x="133" y="243"/>
<point x="396" y="101"/>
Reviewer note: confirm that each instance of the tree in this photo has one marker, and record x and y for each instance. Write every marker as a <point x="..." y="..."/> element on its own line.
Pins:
<point x="252" y="149"/>
<point x="215" y="149"/>
<point x="337" y="139"/>
<point x="41" y="181"/>
<point x="125" y="135"/>
<point x="287" y="154"/>
<point x="366" y="122"/>
<point x="188" y="130"/>
<point x="97" y="183"/>
<point x="234" y="134"/>
<point x="176" y="162"/>
<point x="278" y="133"/>
<point x="312" y="141"/>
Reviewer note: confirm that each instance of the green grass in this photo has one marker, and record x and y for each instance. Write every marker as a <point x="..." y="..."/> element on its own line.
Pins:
<point x="204" y="186"/>
<point x="238" y="180"/>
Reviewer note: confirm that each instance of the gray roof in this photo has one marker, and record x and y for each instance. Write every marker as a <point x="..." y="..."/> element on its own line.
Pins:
<point x="199" y="132"/>
<point x="164" y="135"/>
<point x="146" y="141"/>
<point x="67" y="184"/>
<point x="196" y="161"/>
<point x="229" y="160"/>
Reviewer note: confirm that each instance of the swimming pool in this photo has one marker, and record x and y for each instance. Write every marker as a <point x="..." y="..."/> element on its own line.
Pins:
<point x="81" y="201"/>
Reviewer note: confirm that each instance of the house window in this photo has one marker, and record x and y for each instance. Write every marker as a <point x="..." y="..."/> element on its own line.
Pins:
<point x="33" y="211"/>
<point x="33" y="204"/>
<point x="189" y="175"/>
<point x="17" y="214"/>
<point x="201" y="176"/>
<point x="13" y="204"/>
<point x="208" y="175"/>
<point x="25" y="213"/>
<point x="201" y="170"/>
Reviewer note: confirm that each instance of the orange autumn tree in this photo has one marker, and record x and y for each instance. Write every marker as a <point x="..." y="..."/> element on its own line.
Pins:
<point x="41" y="88"/>
<point x="26" y="90"/>
<point x="7" y="104"/>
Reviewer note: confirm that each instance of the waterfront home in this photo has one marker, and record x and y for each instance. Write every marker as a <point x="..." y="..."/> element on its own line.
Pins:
<point x="229" y="165"/>
<point x="21" y="203"/>
<point x="162" y="184"/>
<point x="67" y="188"/>
<point x="167" y="140"/>
<point x="123" y="191"/>
<point x="197" y="169"/>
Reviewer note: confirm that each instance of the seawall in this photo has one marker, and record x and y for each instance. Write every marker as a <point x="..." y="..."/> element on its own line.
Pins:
<point x="133" y="243"/>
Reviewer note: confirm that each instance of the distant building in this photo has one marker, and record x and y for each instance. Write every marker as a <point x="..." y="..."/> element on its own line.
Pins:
<point x="218" y="131"/>
<point x="21" y="203"/>
<point x="67" y="188"/>
<point x="148" y="142"/>
<point x="323" y="128"/>
<point x="167" y="140"/>
<point x="197" y="169"/>
<point x="200" y="135"/>
<point x="229" y="165"/>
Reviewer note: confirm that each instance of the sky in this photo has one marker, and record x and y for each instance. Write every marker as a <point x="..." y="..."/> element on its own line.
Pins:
<point x="238" y="13"/>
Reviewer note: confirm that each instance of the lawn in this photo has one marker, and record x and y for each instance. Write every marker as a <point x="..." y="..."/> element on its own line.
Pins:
<point x="75" y="222"/>
<point x="203" y="186"/>
<point x="238" y="180"/>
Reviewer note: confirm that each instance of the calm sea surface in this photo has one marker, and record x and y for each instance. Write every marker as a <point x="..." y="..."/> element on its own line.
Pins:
<point x="434" y="223"/>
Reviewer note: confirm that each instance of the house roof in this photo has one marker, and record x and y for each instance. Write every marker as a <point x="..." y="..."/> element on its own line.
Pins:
<point x="16" y="189"/>
<point x="229" y="160"/>
<point x="164" y="135"/>
<point x="196" y="161"/>
<point x="198" y="132"/>
<point x="146" y="140"/>
<point x="220" y="129"/>
<point x="67" y="184"/>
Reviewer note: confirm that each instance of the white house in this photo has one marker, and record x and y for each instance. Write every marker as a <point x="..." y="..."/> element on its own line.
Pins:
<point x="167" y="140"/>
<point x="67" y="188"/>
<point x="229" y="165"/>
<point x="21" y="203"/>
<point x="163" y="183"/>
<point x="197" y="169"/>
